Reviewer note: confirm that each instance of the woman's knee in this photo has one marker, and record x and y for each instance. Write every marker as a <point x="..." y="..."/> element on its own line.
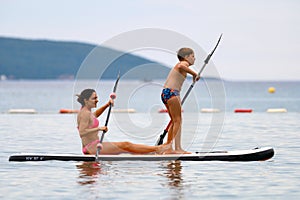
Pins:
<point x="126" y="145"/>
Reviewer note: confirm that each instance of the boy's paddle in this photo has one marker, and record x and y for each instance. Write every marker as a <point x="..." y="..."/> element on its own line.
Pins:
<point x="162" y="136"/>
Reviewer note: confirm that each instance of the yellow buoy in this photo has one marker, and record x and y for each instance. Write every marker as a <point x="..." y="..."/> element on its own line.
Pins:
<point x="271" y="90"/>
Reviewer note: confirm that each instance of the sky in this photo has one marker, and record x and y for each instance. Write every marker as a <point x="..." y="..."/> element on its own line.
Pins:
<point x="260" y="37"/>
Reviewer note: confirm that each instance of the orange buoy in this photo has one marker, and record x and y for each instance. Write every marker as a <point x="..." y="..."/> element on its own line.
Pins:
<point x="67" y="111"/>
<point x="162" y="110"/>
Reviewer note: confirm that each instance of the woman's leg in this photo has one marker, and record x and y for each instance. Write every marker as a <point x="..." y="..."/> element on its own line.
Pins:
<point x="128" y="147"/>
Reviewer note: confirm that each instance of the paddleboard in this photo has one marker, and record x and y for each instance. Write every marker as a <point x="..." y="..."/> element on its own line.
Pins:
<point x="256" y="154"/>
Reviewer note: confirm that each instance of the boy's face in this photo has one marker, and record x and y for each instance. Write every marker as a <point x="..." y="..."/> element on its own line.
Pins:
<point x="190" y="58"/>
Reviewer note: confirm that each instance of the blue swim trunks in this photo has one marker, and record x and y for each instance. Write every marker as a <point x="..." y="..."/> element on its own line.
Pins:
<point x="167" y="93"/>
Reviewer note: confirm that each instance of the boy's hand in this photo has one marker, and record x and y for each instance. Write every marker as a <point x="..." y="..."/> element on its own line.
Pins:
<point x="196" y="78"/>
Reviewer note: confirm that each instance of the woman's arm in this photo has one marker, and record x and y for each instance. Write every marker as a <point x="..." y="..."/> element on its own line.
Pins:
<point x="83" y="125"/>
<point x="100" y="110"/>
<point x="87" y="131"/>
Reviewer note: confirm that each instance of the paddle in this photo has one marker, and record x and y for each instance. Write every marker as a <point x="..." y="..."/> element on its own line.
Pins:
<point x="162" y="136"/>
<point x="112" y="96"/>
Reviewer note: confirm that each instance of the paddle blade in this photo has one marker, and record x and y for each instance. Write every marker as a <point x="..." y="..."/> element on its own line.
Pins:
<point x="160" y="140"/>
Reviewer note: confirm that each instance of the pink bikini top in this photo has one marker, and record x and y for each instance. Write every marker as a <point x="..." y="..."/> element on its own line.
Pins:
<point x="95" y="123"/>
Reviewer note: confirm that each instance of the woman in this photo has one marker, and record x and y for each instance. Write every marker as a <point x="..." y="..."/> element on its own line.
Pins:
<point x="171" y="96"/>
<point x="88" y="126"/>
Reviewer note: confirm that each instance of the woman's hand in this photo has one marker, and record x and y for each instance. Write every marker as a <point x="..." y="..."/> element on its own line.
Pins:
<point x="99" y="146"/>
<point x="103" y="128"/>
<point x="111" y="102"/>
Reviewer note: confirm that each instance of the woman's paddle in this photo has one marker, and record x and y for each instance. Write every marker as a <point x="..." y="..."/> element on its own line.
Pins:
<point x="162" y="136"/>
<point x="112" y="96"/>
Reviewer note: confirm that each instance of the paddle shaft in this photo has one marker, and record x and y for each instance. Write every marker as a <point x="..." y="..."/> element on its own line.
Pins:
<point x="106" y="122"/>
<point x="162" y="136"/>
<point x="110" y="106"/>
<point x="108" y="115"/>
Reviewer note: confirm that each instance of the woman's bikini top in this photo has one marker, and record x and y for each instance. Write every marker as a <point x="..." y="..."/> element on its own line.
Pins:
<point x="95" y="123"/>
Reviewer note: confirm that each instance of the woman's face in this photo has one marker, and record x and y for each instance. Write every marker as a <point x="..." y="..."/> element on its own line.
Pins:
<point x="92" y="101"/>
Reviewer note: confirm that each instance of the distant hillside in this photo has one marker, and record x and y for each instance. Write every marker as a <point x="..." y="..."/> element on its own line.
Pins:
<point x="43" y="59"/>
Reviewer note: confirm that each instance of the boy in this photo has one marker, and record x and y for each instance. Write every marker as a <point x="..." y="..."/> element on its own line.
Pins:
<point x="171" y="96"/>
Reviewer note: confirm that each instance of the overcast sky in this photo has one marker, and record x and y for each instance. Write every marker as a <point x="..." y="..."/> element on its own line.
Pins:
<point x="260" y="37"/>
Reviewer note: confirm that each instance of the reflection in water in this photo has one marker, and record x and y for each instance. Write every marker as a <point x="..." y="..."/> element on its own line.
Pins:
<point x="89" y="172"/>
<point x="175" y="183"/>
<point x="174" y="173"/>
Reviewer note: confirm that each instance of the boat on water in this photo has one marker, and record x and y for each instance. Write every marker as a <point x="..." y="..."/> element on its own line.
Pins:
<point x="256" y="154"/>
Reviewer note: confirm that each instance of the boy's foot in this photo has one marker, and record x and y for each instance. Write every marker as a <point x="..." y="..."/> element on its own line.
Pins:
<point x="162" y="149"/>
<point x="182" y="152"/>
<point x="169" y="151"/>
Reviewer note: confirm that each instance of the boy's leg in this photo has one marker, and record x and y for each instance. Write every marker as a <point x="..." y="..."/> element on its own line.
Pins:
<point x="174" y="108"/>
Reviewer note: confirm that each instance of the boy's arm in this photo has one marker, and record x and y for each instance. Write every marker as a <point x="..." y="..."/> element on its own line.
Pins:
<point x="186" y="69"/>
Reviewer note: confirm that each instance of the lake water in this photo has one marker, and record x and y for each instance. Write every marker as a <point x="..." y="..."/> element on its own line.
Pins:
<point x="47" y="131"/>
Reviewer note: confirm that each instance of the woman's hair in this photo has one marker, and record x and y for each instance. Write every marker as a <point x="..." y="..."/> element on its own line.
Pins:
<point x="85" y="94"/>
<point x="184" y="52"/>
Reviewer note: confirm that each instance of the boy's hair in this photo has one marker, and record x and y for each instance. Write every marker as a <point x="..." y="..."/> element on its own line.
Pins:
<point x="184" y="52"/>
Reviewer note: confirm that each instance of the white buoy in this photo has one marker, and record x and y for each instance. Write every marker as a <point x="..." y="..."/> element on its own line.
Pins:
<point x="22" y="111"/>
<point x="209" y="110"/>
<point x="129" y="110"/>
<point x="277" y="110"/>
